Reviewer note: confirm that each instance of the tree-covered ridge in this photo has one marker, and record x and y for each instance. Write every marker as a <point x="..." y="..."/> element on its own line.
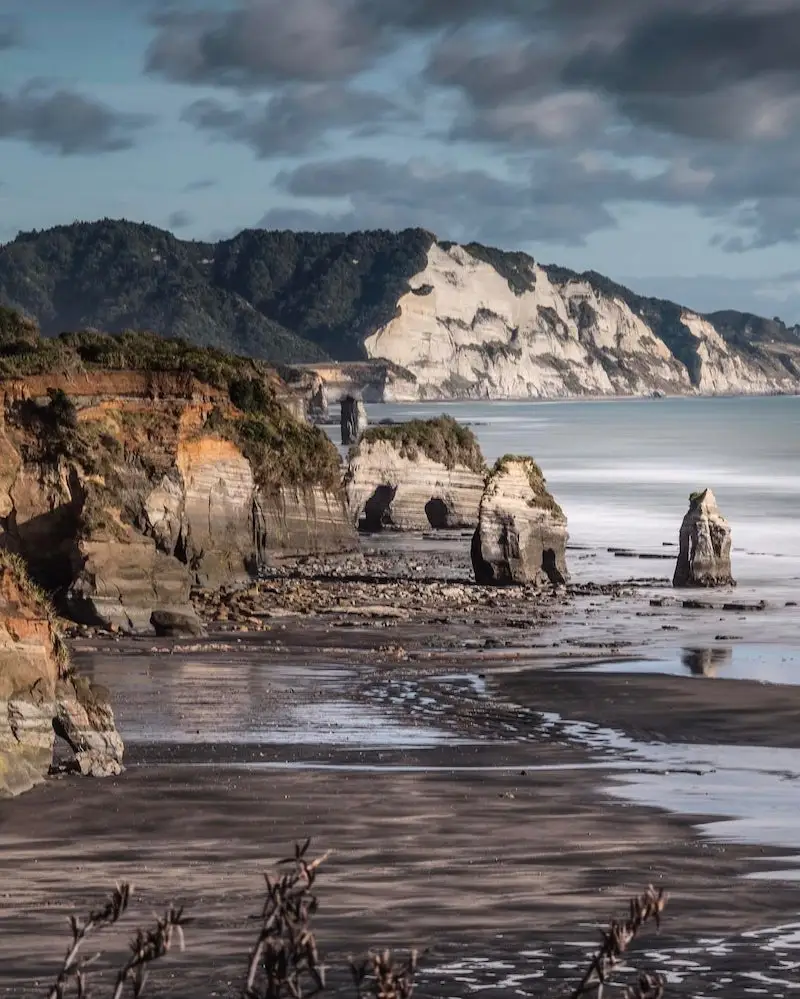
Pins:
<point x="280" y="296"/>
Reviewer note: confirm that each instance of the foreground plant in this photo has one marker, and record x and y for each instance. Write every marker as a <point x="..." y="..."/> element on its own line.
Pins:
<point x="146" y="946"/>
<point x="284" y="962"/>
<point x="616" y="939"/>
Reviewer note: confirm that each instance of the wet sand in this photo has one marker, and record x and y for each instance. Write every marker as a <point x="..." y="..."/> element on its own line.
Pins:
<point x="486" y="797"/>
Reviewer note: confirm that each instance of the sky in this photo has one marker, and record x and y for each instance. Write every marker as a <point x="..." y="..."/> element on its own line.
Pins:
<point x="655" y="141"/>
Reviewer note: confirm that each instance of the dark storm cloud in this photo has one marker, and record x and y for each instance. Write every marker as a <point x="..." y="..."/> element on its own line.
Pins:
<point x="263" y="43"/>
<point x="10" y="33"/>
<point x="295" y="119"/>
<point x="707" y="92"/>
<point x="180" y="219"/>
<point x="454" y="202"/>
<point x="65" y="122"/>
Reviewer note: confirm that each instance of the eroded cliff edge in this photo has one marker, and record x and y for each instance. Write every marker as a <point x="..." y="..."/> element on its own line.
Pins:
<point x="478" y="323"/>
<point x="132" y="468"/>
<point x="41" y="695"/>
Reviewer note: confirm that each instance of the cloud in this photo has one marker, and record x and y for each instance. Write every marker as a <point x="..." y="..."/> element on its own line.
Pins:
<point x="778" y="295"/>
<point x="180" y="219"/>
<point x="263" y="43"/>
<point x="65" y="122"/>
<point x="690" y="103"/>
<point x="200" y="185"/>
<point x="456" y="203"/>
<point x="296" y="118"/>
<point x="10" y="33"/>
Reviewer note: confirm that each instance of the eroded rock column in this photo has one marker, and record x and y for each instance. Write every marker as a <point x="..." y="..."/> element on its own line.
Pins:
<point x="353" y="419"/>
<point x="704" y="557"/>
<point x="522" y="532"/>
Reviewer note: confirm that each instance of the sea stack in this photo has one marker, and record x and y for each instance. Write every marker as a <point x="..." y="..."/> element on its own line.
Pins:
<point x="354" y="419"/>
<point x="522" y="532"/>
<point x="415" y="476"/>
<point x="704" y="558"/>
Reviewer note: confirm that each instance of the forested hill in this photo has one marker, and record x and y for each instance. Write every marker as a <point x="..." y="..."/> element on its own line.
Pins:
<point x="463" y="321"/>
<point x="279" y="296"/>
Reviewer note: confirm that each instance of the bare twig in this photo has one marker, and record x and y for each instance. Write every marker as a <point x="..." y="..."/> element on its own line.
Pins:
<point x="648" y="987"/>
<point x="379" y="977"/>
<point x="73" y="966"/>
<point x="284" y="960"/>
<point x="148" y="946"/>
<point x="616" y="940"/>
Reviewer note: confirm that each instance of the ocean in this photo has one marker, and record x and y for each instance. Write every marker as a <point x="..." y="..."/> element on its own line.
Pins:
<point x="623" y="469"/>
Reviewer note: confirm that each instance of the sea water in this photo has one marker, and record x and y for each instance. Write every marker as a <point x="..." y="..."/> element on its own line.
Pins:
<point x="623" y="469"/>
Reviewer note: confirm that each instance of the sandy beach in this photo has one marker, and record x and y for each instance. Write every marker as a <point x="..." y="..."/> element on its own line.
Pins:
<point x="495" y="775"/>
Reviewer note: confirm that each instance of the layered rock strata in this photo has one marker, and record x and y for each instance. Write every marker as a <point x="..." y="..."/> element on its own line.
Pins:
<point x="408" y="478"/>
<point x="124" y="489"/>
<point x="41" y="695"/>
<point x="704" y="556"/>
<point x="521" y="535"/>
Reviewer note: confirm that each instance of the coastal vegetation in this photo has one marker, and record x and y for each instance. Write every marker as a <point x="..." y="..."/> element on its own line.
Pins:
<point x="281" y="449"/>
<point x="279" y="296"/>
<point x="442" y="439"/>
<point x="284" y="961"/>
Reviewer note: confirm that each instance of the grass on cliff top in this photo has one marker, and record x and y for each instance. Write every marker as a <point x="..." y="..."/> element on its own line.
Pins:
<point x="23" y="352"/>
<point x="442" y="439"/>
<point x="281" y="449"/>
<point x="536" y="479"/>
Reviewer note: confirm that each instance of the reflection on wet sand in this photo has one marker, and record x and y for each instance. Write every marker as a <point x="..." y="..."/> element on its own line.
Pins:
<point x="706" y="662"/>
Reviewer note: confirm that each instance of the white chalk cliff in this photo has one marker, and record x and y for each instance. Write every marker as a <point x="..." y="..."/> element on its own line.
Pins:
<point x="463" y="331"/>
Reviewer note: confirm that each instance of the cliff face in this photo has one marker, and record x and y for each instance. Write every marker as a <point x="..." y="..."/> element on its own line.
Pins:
<point x="467" y="329"/>
<point x="415" y="476"/>
<point x="40" y="694"/>
<point x="122" y="489"/>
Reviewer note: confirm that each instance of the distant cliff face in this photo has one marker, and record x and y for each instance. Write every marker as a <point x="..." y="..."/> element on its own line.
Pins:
<point x="468" y="329"/>
<point x="436" y="320"/>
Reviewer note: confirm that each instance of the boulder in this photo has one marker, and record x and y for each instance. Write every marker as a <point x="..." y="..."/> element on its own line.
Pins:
<point x="40" y="693"/>
<point x="521" y="535"/>
<point x="85" y="720"/>
<point x="704" y="556"/>
<point x="415" y="476"/>
<point x="176" y="624"/>
<point x="353" y="419"/>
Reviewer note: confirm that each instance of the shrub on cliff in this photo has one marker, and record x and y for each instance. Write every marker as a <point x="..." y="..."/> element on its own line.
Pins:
<point x="281" y="449"/>
<point x="442" y="439"/>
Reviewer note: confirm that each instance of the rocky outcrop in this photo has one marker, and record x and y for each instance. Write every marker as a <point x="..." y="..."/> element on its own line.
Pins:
<point x="123" y="489"/>
<point x="41" y="695"/>
<point x="177" y="624"/>
<point x="522" y="532"/>
<point x="479" y="323"/>
<point x="85" y="720"/>
<point x="415" y="476"/>
<point x="704" y="557"/>
<point x="353" y="419"/>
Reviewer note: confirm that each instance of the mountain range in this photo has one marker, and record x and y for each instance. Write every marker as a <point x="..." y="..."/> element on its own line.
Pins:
<point x="463" y="321"/>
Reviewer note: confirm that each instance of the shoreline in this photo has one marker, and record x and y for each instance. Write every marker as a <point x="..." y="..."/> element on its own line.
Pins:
<point x="477" y="783"/>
